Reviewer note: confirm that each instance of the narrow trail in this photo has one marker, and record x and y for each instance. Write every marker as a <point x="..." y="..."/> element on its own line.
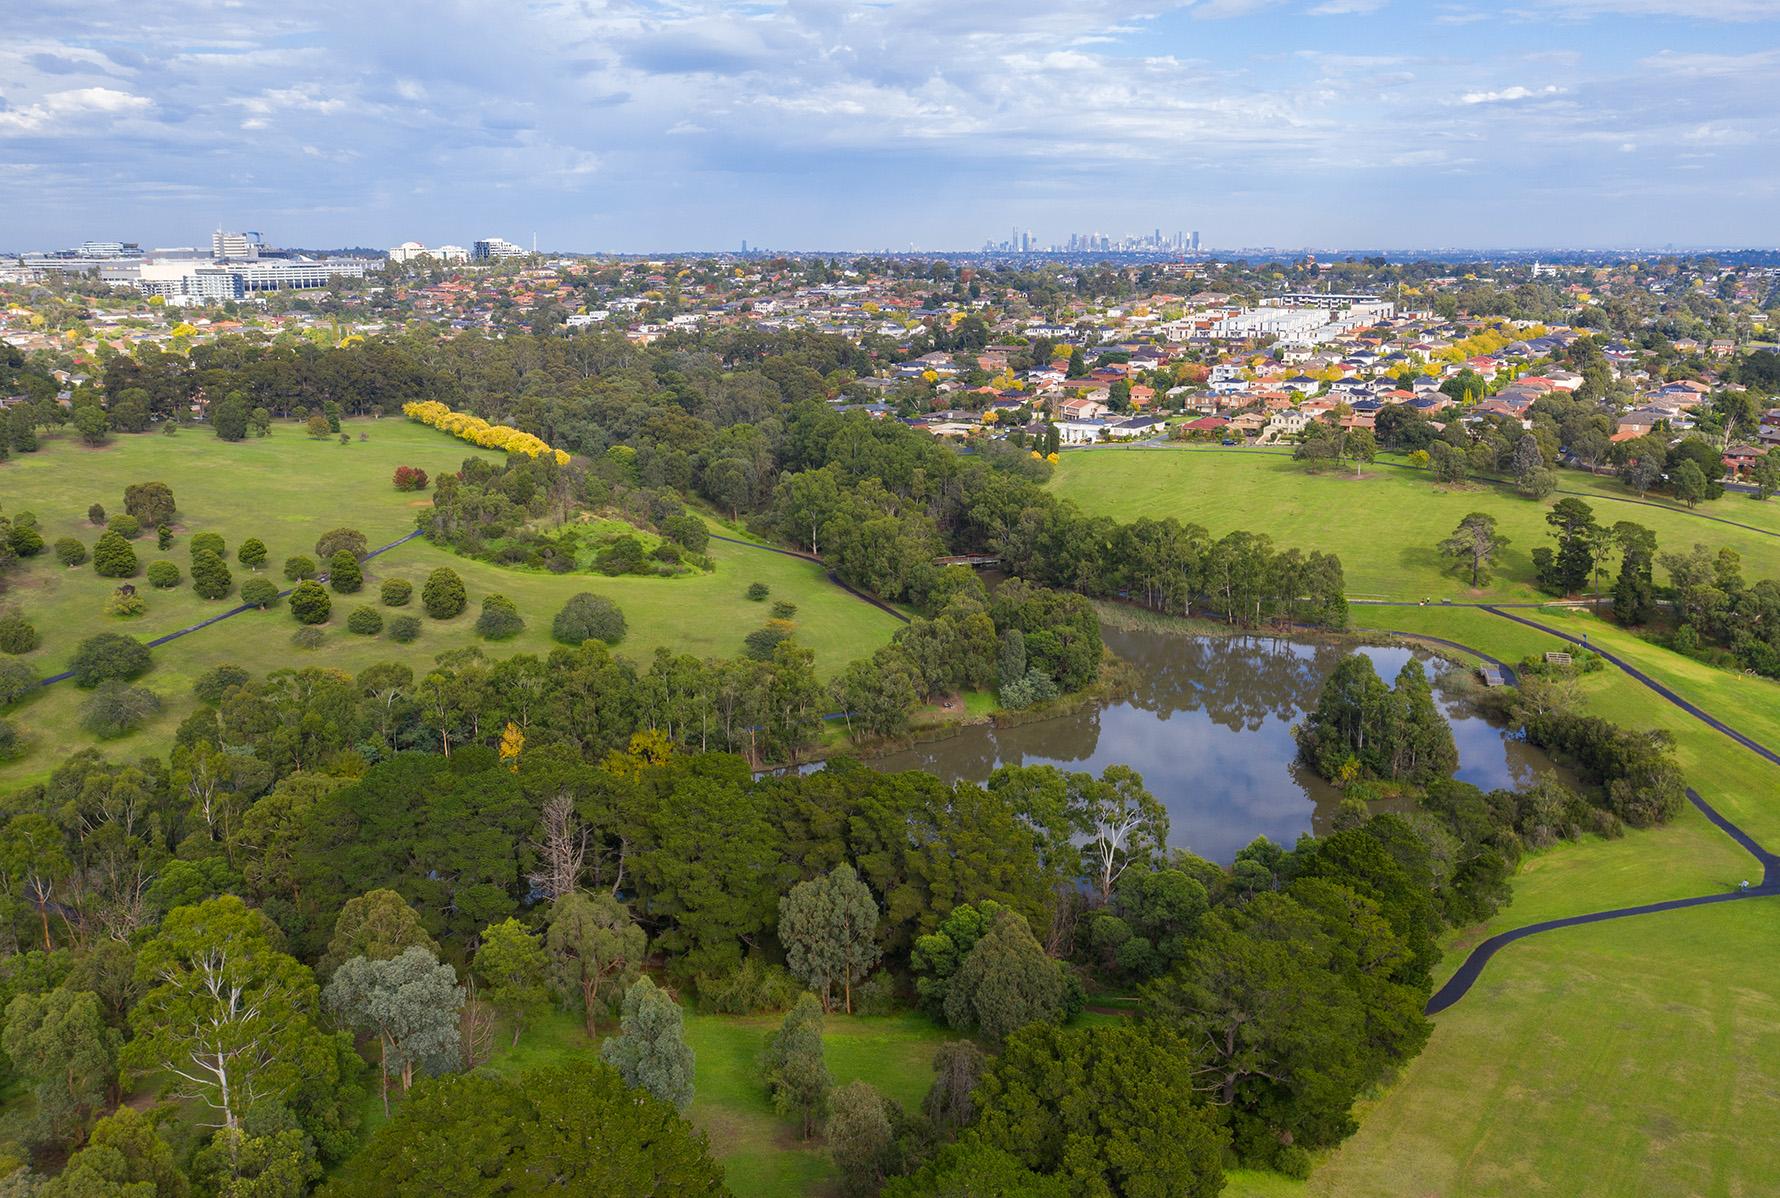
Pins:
<point x="1467" y="974"/>
<point x="238" y="610"/>
<point x="1471" y="968"/>
<point x="1709" y="720"/>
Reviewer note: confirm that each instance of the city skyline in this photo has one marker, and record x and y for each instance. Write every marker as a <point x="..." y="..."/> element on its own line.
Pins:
<point x="1586" y="123"/>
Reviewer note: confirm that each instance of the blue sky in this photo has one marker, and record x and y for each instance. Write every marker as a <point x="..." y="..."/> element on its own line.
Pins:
<point x="638" y="124"/>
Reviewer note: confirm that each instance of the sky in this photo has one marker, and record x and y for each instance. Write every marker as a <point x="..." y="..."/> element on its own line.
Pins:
<point x="639" y="125"/>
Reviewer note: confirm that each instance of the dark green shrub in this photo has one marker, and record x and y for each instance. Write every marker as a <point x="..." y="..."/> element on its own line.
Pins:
<point x="210" y="576"/>
<point x="96" y="515"/>
<point x="260" y="592"/>
<point x="163" y="574"/>
<point x="25" y="541"/>
<point x="252" y="553"/>
<point x="12" y="745"/>
<point x="125" y="525"/>
<point x="344" y="574"/>
<point x="299" y="567"/>
<point x="70" y="552"/>
<point x="113" y="557"/>
<point x="218" y="681"/>
<point x="689" y="532"/>
<point x="443" y="596"/>
<point x="404" y="629"/>
<point x="365" y="620"/>
<point x="588" y="617"/>
<point x="623" y="556"/>
<point x="757" y="591"/>
<point x="16" y="633"/>
<point x="783" y="610"/>
<point x="110" y="656"/>
<point x="760" y="643"/>
<point x="500" y="620"/>
<point x="396" y="592"/>
<point x="309" y="602"/>
<point x="208" y="542"/>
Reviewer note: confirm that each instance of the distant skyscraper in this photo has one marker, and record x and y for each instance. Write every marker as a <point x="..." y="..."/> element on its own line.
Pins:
<point x="1195" y="241"/>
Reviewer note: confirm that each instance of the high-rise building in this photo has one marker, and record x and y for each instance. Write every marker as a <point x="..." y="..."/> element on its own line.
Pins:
<point x="232" y="247"/>
<point x="1195" y="241"/>
<point x="490" y="248"/>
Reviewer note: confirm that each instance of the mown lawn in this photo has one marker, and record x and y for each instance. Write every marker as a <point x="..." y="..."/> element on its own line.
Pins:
<point x="287" y="490"/>
<point x="1638" y="1057"/>
<point x="1633" y="1057"/>
<point x="1385" y="525"/>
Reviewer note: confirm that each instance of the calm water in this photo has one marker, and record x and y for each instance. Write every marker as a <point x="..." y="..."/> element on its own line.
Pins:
<point x="1208" y="725"/>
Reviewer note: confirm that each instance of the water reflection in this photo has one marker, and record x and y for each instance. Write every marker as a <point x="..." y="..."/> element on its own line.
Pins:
<point x="1208" y="725"/>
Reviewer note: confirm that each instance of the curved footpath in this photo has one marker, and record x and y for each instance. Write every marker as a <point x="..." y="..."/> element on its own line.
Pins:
<point x="1468" y="972"/>
<point x="1460" y="982"/>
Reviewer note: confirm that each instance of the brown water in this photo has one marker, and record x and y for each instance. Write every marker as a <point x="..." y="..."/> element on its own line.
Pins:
<point x="1208" y="725"/>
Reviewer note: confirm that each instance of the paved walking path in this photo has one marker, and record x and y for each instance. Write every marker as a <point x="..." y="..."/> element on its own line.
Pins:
<point x="1461" y="981"/>
<point x="1468" y="972"/>
<point x="1710" y="721"/>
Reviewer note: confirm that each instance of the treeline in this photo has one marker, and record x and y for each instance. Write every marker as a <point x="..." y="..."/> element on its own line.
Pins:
<point x="740" y="420"/>
<point x="1720" y="615"/>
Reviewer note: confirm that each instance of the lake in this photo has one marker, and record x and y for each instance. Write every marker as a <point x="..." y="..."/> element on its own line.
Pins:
<point x="1208" y="725"/>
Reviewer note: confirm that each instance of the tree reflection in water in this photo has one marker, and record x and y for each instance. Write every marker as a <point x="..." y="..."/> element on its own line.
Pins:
<point x="1208" y="724"/>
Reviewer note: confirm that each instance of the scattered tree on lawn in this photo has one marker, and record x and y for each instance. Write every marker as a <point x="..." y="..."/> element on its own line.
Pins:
<point x="650" y="1050"/>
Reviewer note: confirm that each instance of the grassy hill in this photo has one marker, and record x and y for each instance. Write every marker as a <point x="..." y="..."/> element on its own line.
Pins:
<point x="288" y="489"/>
<point x="1385" y="524"/>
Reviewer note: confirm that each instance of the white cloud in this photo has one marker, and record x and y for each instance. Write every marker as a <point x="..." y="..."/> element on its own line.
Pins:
<point x="56" y="111"/>
<point x="1510" y="95"/>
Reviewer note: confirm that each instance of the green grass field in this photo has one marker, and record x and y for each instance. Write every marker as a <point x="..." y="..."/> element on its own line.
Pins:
<point x="1634" y="1057"/>
<point x="1384" y="526"/>
<point x="287" y="490"/>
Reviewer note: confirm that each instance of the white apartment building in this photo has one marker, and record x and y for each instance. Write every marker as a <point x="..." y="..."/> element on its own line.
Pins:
<point x="188" y="280"/>
<point x="408" y="251"/>
<point x="489" y="249"/>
